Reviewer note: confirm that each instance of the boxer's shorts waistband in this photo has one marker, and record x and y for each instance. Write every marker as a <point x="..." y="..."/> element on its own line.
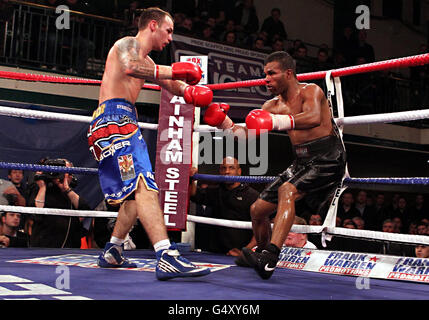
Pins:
<point x="316" y="147"/>
<point x="115" y="107"/>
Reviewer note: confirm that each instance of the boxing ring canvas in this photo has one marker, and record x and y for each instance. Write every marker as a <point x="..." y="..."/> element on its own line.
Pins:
<point x="72" y="274"/>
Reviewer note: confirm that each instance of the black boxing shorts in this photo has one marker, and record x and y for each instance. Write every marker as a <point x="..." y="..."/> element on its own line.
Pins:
<point x="317" y="170"/>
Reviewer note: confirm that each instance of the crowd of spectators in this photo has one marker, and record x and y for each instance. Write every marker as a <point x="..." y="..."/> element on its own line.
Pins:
<point x="378" y="211"/>
<point x="42" y="190"/>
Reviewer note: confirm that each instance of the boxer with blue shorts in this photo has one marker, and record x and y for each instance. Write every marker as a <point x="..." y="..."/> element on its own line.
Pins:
<point x="116" y="142"/>
<point x="114" y="138"/>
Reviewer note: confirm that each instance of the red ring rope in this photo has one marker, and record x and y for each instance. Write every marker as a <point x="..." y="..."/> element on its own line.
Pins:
<point x="410" y="61"/>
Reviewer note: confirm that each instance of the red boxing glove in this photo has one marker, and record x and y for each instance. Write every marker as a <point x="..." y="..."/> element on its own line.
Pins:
<point x="187" y="71"/>
<point x="259" y="120"/>
<point x="215" y="116"/>
<point x="200" y="96"/>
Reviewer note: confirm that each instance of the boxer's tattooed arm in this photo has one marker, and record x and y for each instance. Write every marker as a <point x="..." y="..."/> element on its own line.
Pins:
<point x="133" y="65"/>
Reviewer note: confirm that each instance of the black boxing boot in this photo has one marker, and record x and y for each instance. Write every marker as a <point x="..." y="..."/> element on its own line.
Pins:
<point x="241" y="260"/>
<point x="264" y="262"/>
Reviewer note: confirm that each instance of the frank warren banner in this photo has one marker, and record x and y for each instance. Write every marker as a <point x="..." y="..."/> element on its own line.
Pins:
<point x="227" y="64"/>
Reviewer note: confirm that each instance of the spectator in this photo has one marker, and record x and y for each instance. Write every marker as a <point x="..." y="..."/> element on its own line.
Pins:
<point x="380" y="209"/>
<point x="301" y="52"/>
<point x="303" y="62"/>
<point x="412" y="228"/>
<point x="259" y="45"/>
<point x="231" y="38"/>
<point x="207" y="33"/>
<point x="349" y="224"/>
<point x="230" y="201"/>
<point x="186" y="27"/>
<point x="315" y="220"/>
<point x="17" y="178"/>
<point x="419" y="210"/>
<point x="278" y="45"/>
<point x="322" y="62"/>
<point x="229" y="26"/>
<point x="422" y="251"/>
<point x="9" y="194"/>
<point x="364" y="211"/>
<point x="272" y="25"/>
<point x="346" y="209"/>
<point x="295" y="45"/>
<point x="422" y="228"/>
<point x="338" y="221"/>
<point x="220" y="22"/>
<point x="131" y="18"/>
<point x="178" y="18"/>
<point x="388" y="226"/>
<point x="359" y="223"/>
<point x="347" y="45"/>
<point x="392" y="206"/>
<point x="246" y="20"/>
<point x="53" y="190"/>
<point x="130" y="14"/>
<point x="398" y="225"/>
<point x="11" y="222"/>
<point x="298" y="240"/>
<point x="339" y="60"/>
<point x="364" y="49"/>
<point x="391" y="247"/>
<point x="402" y="212"/>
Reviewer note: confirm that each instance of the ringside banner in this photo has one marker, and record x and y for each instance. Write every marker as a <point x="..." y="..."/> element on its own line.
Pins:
<point x="366" y="265"/>
<point x="173" y="158"/>
<point x="227" y="64"/>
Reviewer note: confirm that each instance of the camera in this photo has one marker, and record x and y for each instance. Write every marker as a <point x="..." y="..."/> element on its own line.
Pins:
<point x="49" y="176"/>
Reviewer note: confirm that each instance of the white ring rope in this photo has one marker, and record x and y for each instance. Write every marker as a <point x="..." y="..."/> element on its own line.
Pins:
<point x="365" y="234"/>
<point x="59" y="212"/>
<point x="45" y="115"/>
<point x="385" y="117"/>
<point x="365" y="119"/>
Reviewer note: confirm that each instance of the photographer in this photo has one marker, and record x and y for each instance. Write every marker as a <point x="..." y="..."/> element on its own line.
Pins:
<point x="54" y="190"/>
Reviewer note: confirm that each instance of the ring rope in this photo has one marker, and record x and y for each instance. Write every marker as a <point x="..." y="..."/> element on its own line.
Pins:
<point x="365" y="119"/>
<point x="214" y="178"/>
<point x="39" y="167"/>
<point x="367" y="234"/>
<point x="268" y="179"/>
<point x="47" y="115"/>
<point x="411" y="61"/>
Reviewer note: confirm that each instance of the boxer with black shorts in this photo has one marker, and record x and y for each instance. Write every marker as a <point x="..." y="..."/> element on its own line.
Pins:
<point x="320" y="158"/>
<point x="114" y="138"/>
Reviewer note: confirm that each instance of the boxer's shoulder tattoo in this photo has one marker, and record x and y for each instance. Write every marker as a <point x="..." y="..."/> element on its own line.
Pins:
<point x="128" y="50"/>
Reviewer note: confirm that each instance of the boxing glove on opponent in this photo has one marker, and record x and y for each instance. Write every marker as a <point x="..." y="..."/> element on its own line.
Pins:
<point x="261" y="120"/>
<point x="200" y="96"/>
<point x="216" y="116"/>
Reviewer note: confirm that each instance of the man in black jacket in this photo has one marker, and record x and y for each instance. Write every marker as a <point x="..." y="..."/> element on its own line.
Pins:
<point x="231" y="201"/>
<point x="55" y="191"/>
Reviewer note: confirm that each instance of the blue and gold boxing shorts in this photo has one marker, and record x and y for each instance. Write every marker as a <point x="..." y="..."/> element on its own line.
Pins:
<point x="116" y="143"/>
